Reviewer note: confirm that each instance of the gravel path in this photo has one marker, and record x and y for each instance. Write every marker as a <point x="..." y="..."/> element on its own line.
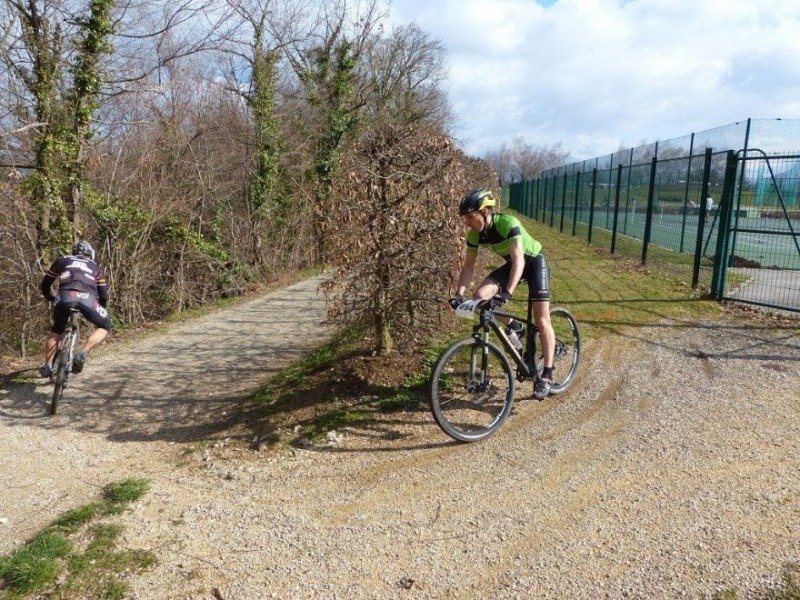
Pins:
<point x="670" y="470"/>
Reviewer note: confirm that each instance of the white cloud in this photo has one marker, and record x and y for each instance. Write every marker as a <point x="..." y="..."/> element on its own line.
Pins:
<point x="594" y="74"/>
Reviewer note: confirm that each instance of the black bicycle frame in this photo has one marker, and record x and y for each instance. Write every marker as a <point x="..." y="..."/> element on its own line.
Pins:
<point x="523" y="361"/>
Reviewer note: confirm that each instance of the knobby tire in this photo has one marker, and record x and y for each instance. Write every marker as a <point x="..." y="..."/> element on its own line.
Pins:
<point x="451" y="402"/>
<point x="567" y="352"/>
<point x="60" y="375"/>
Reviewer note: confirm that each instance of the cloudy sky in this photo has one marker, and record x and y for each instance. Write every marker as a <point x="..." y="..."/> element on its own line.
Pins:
<point x="597" y="74"/>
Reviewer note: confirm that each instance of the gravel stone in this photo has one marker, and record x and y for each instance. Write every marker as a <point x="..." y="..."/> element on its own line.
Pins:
<point x="671" y="469"/>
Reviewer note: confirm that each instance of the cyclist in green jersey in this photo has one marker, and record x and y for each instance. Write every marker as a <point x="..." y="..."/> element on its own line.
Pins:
<point x="506" y="236"/>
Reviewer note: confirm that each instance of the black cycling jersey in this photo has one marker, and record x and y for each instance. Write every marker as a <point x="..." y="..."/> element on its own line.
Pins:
<point x="78" y="274"/>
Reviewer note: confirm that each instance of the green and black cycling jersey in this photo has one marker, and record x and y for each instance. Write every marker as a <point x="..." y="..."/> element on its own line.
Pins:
<point x="500" y="235"/>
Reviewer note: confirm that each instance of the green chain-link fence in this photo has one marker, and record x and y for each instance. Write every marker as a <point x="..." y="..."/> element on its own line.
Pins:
<point x="732" y="192"/>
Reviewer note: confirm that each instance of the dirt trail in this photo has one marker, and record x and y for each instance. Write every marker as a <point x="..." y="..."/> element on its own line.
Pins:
<point x="125" y="414"/>
<point x="671" y="469"/>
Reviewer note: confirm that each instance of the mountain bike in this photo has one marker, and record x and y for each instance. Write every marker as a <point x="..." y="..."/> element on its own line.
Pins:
<point x="472" y="384"/>
<point x="62" y="364"/>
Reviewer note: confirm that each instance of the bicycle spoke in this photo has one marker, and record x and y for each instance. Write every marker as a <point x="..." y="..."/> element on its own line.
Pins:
<point x="469" y="401"/>
<point x="567" y="349"/>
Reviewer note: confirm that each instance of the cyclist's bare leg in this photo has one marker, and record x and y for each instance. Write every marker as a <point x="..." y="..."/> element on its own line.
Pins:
<point x="50" y="347"/>
<point x="541" y="314"/>
<point x="489" y="289"/>
<point x="98" y="335"/>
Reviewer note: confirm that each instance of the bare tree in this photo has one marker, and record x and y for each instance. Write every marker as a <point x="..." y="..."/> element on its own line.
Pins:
<point x="61" y="54"/>
<point x="327" y="66"/>
<point x="255" y="45"/>
<point x="522" y="160"/>
<point x="395" y="232"/>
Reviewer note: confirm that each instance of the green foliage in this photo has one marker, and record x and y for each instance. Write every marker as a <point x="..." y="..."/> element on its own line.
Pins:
<point x="180" y="233"/>
<point x="414" y="388"/>
<point x="329" y="81"/>
<point x="228" y="270"/>
<point x="329" y="84"/>
<point x="115" y="590"/>
<point x="35" y="566"/>
<point x="67" y="116"/>
<point x="75" y="518"/>
<point x="89" y="574"/>
<point x="335" y="419"/>
<point x="92" y="43"/>
<point x="121" y="493"/>
<point x="93" y="573"/>
<point x="284" y="382"/>
<point x="789" y="588"/>
<point x="403" y="400"/>
<point x="116" y="218"/>
<point x="264" y="182"/>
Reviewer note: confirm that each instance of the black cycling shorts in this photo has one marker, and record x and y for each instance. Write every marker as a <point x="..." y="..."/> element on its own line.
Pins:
<point x="535" y="273"/>
<point x="86" y="303"/>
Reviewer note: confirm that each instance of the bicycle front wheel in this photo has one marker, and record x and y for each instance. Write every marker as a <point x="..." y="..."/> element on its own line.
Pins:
<point x="567" y="353"/>
<point x="472" y="390"/>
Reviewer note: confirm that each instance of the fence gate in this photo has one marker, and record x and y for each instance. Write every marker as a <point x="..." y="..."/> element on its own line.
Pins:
<point x="760" y="224"/>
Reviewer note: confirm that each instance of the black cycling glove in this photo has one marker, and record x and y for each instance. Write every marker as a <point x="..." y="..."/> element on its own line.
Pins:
<point x="456" y="301"/>
<point x="502" y="297"/>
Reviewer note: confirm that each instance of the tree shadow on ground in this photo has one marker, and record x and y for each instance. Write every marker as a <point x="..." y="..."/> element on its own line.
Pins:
<point x="198" y="382"/>
<point x="194" y="383"/>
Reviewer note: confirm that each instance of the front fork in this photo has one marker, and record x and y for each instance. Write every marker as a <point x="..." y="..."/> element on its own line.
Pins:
<point x="479" y="360"/>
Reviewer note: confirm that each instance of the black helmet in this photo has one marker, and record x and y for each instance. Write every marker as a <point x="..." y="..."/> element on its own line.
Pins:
<point x="477" y="199"/>
<point x="83" y="248"/>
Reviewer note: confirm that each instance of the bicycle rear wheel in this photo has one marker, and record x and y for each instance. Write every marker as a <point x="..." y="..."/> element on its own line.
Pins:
<point x="472" y="390"/>
<point x="567" y="354"/>
<point x="60" y="375"/>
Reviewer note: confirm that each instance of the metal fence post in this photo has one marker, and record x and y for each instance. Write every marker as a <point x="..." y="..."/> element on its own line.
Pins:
<point x="563" y="202"/>
<point x="741" y="180"/>
<point x="544" y="199"/>
<point x="575" y="202"/>
<point x="723" y="235"/>
<point x="686" y="191"/>
<point x="648" y="224"/>
<point x="701" y="220"/>
<point x="608" y="194"/>
<point x="591" y="205"/>
<point x="628" y="194"/>
<point x="553" y="200"/>
<point x="528" y="197"/>
<point x="616" y="210"/>
<point x="529" y="208"/>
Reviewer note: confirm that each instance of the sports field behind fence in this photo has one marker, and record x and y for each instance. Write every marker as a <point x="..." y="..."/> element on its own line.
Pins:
<point x="731" y="192"/>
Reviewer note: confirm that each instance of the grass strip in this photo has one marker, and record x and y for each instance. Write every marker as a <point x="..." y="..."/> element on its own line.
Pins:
<point x="56" y="551"/>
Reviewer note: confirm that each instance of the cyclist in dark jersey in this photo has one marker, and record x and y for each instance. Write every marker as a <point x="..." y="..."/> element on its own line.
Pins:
<point x="506" y="236"/>
<point x="82" y="285"/>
